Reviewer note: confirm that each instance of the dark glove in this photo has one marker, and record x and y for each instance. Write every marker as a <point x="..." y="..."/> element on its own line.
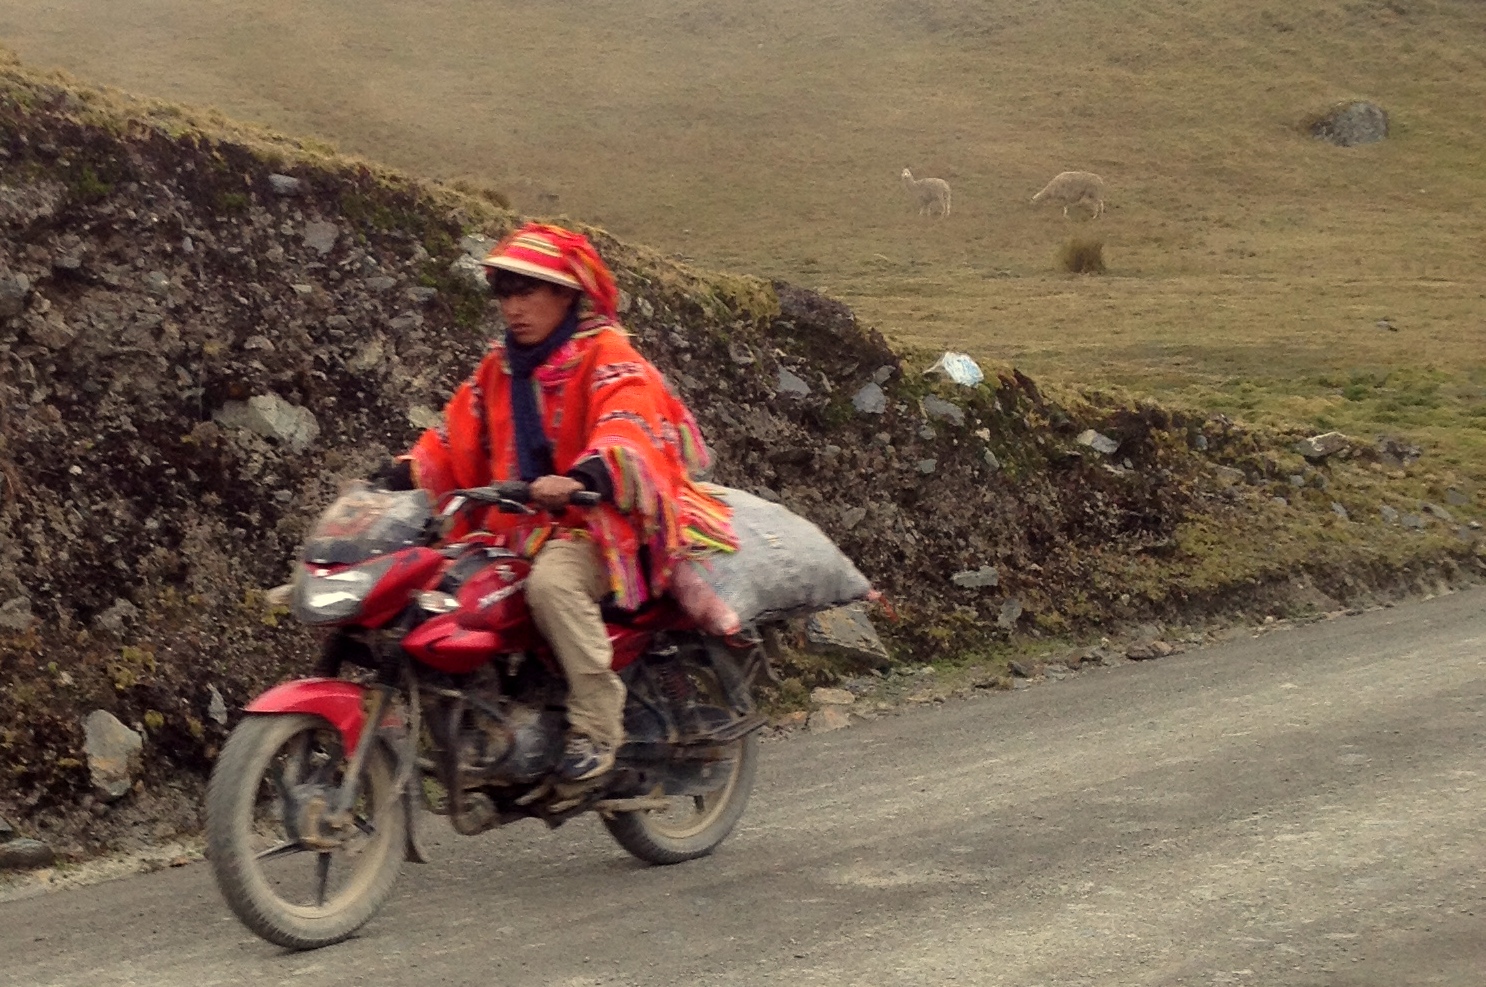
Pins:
<point x="396" y="475"/>
<point x="594" y="476"/>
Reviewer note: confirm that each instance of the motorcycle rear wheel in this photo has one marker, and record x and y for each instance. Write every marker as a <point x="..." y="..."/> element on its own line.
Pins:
<point x="269" y="765"/>
<point x="693" y="825"/>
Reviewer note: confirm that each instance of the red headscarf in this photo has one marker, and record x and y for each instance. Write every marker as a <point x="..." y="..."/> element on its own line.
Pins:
<point x="554" y="254"/>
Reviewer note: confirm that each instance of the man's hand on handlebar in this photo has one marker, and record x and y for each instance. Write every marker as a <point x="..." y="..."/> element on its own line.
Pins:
<point x="554" y="492"/>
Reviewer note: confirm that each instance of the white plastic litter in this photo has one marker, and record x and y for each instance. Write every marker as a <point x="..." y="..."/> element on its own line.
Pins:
<point x="959" y="368"/>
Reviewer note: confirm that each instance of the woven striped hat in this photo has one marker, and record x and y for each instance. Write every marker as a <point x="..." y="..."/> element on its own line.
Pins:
<point x="535" y="253"/>
<point x="560" y="256"/>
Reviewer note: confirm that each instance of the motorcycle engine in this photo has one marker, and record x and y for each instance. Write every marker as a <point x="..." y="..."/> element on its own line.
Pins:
<point x="502" y="740"/>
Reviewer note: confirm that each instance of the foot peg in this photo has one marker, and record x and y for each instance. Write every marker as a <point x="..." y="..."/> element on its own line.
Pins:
<point x="536" y="794"/>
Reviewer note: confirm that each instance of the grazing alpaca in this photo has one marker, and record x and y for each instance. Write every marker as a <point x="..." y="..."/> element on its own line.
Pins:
<point x="931" y="193"/>
<point x="1074" y="187"/>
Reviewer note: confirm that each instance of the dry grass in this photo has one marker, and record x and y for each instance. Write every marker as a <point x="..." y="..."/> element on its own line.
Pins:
<point x="768" y="138"/>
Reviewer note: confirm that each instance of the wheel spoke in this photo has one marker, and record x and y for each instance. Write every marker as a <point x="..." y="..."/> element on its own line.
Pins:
<point x="297" y="754"/>
<point x="282" y="850"/>
<point x="322" y="878"/>
<point x="295" y="768"/>
<point x="288" y="777"/>
<point x="283" y="787"/>
<point x="287" y="821"/>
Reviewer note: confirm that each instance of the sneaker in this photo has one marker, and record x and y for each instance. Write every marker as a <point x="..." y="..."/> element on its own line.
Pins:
<point x="584" y="758"/>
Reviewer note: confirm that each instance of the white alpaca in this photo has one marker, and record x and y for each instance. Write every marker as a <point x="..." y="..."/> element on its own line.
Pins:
<point x="1074" y="188"/>
<point x="931" y="193"/>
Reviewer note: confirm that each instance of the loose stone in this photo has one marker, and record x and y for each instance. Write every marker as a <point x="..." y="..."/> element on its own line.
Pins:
<point x="1318" y="447"/>
<point x="1098" y="441"/>
<point x="985" y="576"/>
<point x="113" y="752"/>
<point x="26" y="854"/>
<point x="828" y="718"/>
<point x="870" y="400"/>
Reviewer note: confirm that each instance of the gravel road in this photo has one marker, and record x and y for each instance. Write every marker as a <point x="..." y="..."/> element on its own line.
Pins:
<point x="1305" y="807"/>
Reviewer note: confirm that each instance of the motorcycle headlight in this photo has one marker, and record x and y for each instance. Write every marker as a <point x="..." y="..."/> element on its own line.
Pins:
<point x="326" y="597"/>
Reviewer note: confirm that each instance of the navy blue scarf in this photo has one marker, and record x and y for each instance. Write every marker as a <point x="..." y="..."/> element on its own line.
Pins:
<point x="533" y="447"/>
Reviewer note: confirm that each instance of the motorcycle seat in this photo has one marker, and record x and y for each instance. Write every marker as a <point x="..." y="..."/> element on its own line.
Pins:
<point x="651" y="613"/>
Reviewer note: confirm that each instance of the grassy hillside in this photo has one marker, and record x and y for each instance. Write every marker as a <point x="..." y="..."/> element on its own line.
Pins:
<point x="1249" y="265"/>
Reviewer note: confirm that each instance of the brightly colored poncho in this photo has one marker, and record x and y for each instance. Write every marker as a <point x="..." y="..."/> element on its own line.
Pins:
<point x="599" y="398"/>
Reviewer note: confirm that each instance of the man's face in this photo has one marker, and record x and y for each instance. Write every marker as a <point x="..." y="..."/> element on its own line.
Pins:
<point x="534" y="315"/>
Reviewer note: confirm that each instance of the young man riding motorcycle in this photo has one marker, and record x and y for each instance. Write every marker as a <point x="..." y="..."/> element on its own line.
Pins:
<point x="565" y="403"/>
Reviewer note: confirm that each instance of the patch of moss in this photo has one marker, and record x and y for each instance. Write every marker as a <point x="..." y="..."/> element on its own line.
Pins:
<point x="469" y="308"/>
<point x="791" y="694"/>
<point x="131" y="667"/>
<point x="837" y="412"/>
<point x="374" y="213"/>
<point x="1051" y="622"/>
<point x="89" y="187"/>
<point x="467" y="305"/>
<point x="438" y="242"/>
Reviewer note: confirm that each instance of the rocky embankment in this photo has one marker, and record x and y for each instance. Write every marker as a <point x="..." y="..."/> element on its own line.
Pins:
<point x="205" y="330"/>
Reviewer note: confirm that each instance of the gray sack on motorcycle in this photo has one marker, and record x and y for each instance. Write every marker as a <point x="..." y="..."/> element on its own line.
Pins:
<point x="784" y="566"/>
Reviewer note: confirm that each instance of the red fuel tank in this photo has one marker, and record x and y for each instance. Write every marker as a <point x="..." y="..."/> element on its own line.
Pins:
<point x="441" y="643"/>
<point x="494" y="598"/>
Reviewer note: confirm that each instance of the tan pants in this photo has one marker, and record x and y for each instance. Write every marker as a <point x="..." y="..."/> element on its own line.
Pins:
<point x="567" y="582"/>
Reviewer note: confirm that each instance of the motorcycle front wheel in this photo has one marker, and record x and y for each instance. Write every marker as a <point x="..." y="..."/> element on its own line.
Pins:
<point x="289" y="871"/>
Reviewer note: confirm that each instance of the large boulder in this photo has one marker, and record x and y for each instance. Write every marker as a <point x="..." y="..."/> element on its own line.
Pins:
<point x="1350" y="123"/>
<point x="1318" y="447"/>
<point x="25" y="854"/>
<point x="113" y="752"/>
<point x="274" y="418"/>
<point x="847" y="633"/>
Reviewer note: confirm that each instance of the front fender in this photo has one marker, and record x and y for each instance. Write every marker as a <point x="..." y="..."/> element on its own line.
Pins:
<point x="343" y="704"/>
<point x="336" y="700"/>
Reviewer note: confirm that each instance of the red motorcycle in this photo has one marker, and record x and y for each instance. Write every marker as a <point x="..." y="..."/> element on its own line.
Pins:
<point x="435" y="689"/>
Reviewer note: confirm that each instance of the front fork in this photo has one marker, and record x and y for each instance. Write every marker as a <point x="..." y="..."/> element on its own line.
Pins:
<point x="349" y="707"/>
<point x="408" y="778"/>
<point x="405" y="752"/>
<point x="340" y="648"/>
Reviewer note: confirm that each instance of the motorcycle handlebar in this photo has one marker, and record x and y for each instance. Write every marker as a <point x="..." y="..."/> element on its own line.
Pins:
<point x="514" y="496"/>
